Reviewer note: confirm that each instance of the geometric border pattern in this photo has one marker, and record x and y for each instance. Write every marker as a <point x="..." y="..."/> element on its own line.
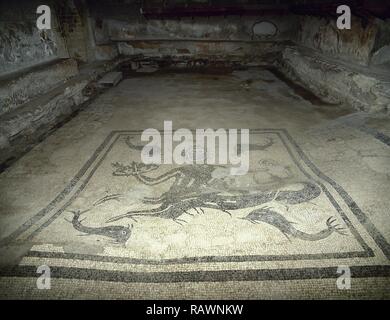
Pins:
<point x="222" y="275"/>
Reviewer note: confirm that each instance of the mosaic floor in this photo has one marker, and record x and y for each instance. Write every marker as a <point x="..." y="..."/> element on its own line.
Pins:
<point x="195" y="231"/>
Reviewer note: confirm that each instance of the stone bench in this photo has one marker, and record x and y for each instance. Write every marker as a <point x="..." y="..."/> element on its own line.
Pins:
<point x="17" y="89"/>
<point x="25" y="125"/>
<point x="335" y="81"/>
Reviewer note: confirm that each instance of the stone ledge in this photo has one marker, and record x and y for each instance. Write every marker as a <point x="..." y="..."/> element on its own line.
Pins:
<point x="22" y="87"/>
<point x="360" y="87"/>
<point x="24" y="126"/>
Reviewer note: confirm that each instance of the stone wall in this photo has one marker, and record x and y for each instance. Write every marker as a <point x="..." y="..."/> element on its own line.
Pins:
<point x="353" y="45"/>
<point x="122" y="25"/>
<point x="43" y="79"/>
<point x="22" y="45"/>
<point x="72" y="19"/>
<point x="37" y="81"/>
<point x="199" y="28"/>
<point x="381" y="51"/>
<point x="341" y="66"/>
<point x="335" y="82"/>
<point x="77" y="31"/>
<point x="22" y="127"/>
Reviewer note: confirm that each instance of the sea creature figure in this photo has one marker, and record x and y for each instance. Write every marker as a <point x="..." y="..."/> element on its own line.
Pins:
<point x="197" y="187"/>
<point x="174" y="204"/>
<point x="119" y="234"/>
<point x="273" y="218"/>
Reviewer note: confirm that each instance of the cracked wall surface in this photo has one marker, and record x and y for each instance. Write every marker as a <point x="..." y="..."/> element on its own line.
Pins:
<point x="336" y="83"/>
<point x="342" y="66"/>
<point x="22" y="45"/>
<point x="352" y="45"/>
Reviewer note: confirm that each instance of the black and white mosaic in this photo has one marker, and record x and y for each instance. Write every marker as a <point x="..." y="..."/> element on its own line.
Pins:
<point x="199" y="223"/>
